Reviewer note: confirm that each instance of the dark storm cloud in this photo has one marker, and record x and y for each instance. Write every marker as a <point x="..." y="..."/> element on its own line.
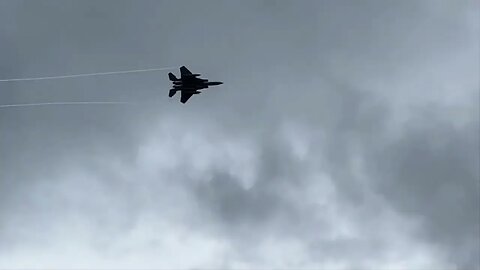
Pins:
<point x="433" y="172"/>
<point x="310" y="155"/>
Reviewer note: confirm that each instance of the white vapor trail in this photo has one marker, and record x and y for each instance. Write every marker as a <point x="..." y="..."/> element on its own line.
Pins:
<point x="65" y="103"/>
<point x="85" y="75"/>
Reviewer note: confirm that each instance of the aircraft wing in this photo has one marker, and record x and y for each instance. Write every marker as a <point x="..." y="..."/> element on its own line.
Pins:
<point x="185" y="96"/>
<point x="185" y="72"/>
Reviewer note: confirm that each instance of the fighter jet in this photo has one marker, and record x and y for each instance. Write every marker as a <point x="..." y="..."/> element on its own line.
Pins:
<point x="188" y="84"/>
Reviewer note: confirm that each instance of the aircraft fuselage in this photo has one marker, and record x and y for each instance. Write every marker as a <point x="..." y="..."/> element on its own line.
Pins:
<point x="188" y="84"/>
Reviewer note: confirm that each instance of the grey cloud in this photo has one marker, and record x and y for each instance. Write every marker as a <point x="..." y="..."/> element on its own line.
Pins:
<point x="373" y="182"/>
<point x="433" y="172"/>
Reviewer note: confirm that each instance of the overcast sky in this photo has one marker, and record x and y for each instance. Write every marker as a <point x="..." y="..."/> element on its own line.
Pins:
<point x="346" y="135"/>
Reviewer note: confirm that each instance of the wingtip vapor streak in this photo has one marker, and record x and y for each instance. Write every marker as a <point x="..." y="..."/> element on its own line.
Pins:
<point x="188" y="84"/>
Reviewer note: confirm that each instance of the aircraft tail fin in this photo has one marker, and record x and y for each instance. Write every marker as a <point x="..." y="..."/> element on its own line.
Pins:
<point x="172" y="77"/>
<point x="172" y="92"/>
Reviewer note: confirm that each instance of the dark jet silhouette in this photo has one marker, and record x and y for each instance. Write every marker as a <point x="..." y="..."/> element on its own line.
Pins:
<point x="188" y="84"/>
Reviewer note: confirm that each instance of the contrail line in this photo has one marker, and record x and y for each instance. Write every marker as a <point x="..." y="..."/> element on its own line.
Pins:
<point x="85" y="75"/>
<point x="65" y="103"/>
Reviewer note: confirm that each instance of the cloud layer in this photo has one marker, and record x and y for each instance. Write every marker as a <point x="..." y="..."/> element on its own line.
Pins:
<point x="346" y="136"/>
